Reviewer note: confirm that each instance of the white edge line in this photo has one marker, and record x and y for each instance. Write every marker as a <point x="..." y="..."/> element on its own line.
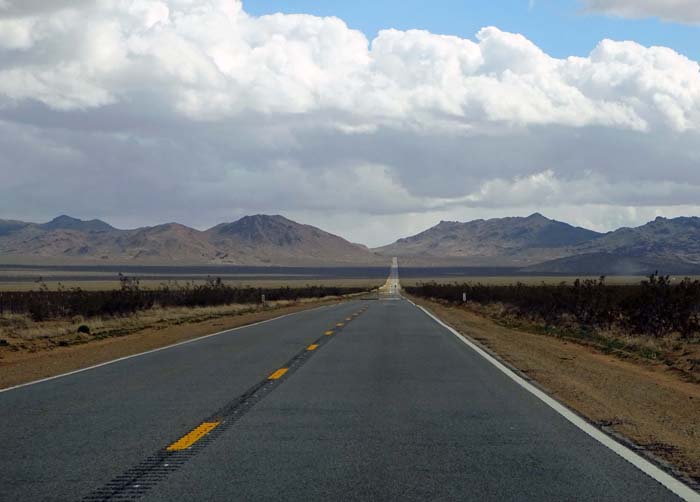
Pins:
<point x="34" y="382"/>
<point x="674" y="485"/>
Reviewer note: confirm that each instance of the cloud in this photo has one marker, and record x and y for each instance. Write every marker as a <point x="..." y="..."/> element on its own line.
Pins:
<point x="143" y="111"/>
<point x="681" y="11"/>
<point x="209" y="60"/>
<point x="19" y="8"/>
<point x="591" y="188"/>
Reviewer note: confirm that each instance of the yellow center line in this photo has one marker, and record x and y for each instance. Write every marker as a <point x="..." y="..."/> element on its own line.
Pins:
<point x="313" y="346"/>
<point x="328" y="333"/>
<point x="193" y="436"/>
<point x="340" y="324"/>
<point x="278" y="374"/>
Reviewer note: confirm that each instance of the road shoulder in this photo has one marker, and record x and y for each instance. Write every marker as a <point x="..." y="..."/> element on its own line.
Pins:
<point x="643" y="402"/>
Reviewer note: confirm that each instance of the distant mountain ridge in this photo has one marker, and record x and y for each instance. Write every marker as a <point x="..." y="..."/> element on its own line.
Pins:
<point x="251" y="240"/>
<point x="539" y="244"/>
<point x="511" y="241"/>
<point x="275" y="237"/>
<point x="533" y="244"/>
<point x="677" y="238"/>
<point x="669" y="245"/>
<point x="64" y="222"/>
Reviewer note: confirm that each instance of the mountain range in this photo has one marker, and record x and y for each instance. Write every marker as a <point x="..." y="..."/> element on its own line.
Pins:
<point x="251" y="240"/>
<point x="533" y="244"/>
<point x="497" y="242"/>
<point x="537" y="244"/>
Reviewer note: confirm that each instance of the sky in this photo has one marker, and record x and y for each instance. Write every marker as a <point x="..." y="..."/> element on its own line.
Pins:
<point x="372" y="120"/>
<point x="561" y="28"/>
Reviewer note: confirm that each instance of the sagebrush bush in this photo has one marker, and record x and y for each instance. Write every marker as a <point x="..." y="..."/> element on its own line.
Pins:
<point x="654" y="307"/>
<point x="44" y="304"/>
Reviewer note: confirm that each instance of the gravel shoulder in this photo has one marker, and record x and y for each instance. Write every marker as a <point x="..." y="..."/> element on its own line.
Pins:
<point x="646" y="402"/>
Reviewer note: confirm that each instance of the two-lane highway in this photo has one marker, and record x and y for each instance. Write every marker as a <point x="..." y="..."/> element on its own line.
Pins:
<point x="374" y="400"/>
<point x="63" y="438"/>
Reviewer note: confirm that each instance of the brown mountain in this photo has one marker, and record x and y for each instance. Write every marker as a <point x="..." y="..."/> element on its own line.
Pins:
<point x="667" y="245"/>
<point x="64" y="222"/>
<point x="534" y="244"/>
<point x="9" y="226"/>
<point x="168" y="242"/>
<point x="271" y="239"/>
<point x="500" y="241"/>
<point x="540" y="245"/>
<point x="663" y="238"/>
<point x="252" y="240"/>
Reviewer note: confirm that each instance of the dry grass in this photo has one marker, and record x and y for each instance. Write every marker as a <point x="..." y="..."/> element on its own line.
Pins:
<point x="20" y="333"/>
<point x="678" y="354"/>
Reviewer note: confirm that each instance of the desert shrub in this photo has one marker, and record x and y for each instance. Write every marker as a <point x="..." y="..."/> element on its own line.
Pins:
<point x="657" y="306"/>
<point x="84" y="328"/>
<point x="44" y="304"/>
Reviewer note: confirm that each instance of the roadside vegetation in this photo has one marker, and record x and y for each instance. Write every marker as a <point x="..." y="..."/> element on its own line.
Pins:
<point x="656" y="319"/>
<point x="237" y="282"/>
<point x="45" y="318"/>
<point x="45" y="304"/>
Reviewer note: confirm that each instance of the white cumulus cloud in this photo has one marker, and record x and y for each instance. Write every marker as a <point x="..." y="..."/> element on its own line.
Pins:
<point x="149" y="108"/>
<point x="209" y="60"/>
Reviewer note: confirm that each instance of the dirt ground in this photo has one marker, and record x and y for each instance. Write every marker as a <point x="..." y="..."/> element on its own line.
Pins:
<point x="42" y="357"/>
<point x="644" y="401"/>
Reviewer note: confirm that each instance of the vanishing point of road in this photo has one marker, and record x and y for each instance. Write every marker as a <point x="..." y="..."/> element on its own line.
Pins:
<point x="369" y="399"/>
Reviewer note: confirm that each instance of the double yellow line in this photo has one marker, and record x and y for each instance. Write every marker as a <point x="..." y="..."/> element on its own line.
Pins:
<point x="205" y="428"/>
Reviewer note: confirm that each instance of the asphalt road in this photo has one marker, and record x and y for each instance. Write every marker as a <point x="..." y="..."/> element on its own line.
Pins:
<point x="390" y="406"/>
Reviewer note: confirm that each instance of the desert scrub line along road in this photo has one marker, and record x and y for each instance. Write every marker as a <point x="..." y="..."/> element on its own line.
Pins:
<point x="65" y="340"/>
<point x="657" y="306"/>
<point x="45" y="304"/>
